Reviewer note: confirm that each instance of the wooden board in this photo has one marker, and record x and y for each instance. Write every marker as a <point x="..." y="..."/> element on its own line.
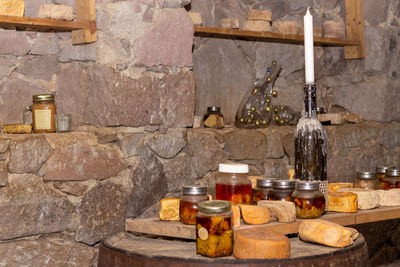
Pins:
<point x="85" y="13"/>
<point x="155" y="226"/>
<point x="355" y="29"/>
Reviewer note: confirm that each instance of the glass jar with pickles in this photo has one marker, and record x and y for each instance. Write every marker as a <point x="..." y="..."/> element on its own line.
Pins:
<point x="191" y="196"/>
<point x="308" y="200"/>
<point x="214" y="232"/>
<point x="381" y="172"/>
<point x="366" y="180"/>
<point x="233" y="183"/>
<point x="282" y="190"/>
<point x="392" y="179"/>
<point x="261" y="192"/>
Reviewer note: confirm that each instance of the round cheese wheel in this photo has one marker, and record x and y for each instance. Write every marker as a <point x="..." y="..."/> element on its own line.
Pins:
<point x="260" y="244"/>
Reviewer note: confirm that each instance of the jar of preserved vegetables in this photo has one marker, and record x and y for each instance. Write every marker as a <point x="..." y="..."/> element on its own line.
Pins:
<point x="282" y="190"/>
<point x="214" y="234"/>
<point x="392" y="179"/>
<point x="233" y="183"/>
<point x="261" y="192"/>
<point x="366" y="180"/>
<point x="381" y="172"/>
<point x="191" y="196"/>
<point x="213" y="118"/>
<point x="309" y="201"/>
<point x="43" y="110"/>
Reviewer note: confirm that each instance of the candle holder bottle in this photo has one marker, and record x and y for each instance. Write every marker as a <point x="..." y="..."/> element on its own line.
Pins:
<point x="310" y="143"/>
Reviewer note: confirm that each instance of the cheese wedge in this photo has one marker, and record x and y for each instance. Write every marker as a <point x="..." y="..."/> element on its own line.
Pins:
<point x="342" y="202"/>
<point x="17" y="128"/>
<point x="260" y="244"/>
<point x="367" y="199"/>
<point x="389" y="197"/>
<point x="236" y="216"/>
<point x="283" y="211"/>
<point x="169" y="209"/>
<point x="334" y="187"/>
<point x="326" y="233"/>
<point x="255" y="214"/>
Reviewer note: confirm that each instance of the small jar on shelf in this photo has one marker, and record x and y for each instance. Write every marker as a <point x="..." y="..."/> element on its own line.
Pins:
<point x="214" y="232"/>
<point x="366" y="180"/>
<point x="308" y="200"/>
<point x="213" y="118"/>
<point x="191" y="196"/>
<point x="381" y="172"/>
<point x="282" y="190"/>
<point x="392" y="179"/>
<point x="261" y="192"/>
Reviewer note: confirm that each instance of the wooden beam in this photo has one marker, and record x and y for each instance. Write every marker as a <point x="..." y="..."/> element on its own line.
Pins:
<point x="85" y="13"/>
<point x="355" y="29"/>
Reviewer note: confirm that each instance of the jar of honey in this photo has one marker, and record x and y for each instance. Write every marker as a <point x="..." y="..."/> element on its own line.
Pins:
<point x="282" y="190"/>
<point x="233" y="183"/>
<point x="43" y="110"/>
<point x="366" y="180"/>
<point x="381" y="172"/>
<point x="191" y="196"/>
<point x="261" y="192"/>
<point x="308" y="200"/>
<point x="392" y="179"/>
<point x="214" y="232"/>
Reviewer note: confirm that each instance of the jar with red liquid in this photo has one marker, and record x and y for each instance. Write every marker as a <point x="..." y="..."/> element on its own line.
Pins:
<point x="381" y="172"/>
<point x="392" y="179"/>
<point x="308" y="200"/>
<point x="282" y="190"/>
<point x="261" y="192"/>
<point x="191" y="196"/>
<point x="233" y="183"/>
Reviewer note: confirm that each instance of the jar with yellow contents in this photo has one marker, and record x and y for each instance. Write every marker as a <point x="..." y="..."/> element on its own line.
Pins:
<point x="43" y="110"/>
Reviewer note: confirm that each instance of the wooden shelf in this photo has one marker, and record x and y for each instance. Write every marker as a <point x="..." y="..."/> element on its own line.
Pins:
<point x="155" y="226"/>
<point x="83" y="29"/>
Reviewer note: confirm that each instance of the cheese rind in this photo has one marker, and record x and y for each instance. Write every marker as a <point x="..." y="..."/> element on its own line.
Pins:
<point x="50" y="11"/>
<point x="285" y="27"/>
<point x="326" y="233"/>
<point x="236" y="216"/>
<point x="260" y="244"/>
<point x="256" y="25"/>
<point x="283" y="211"/>
<point x="257" y="14"/>
<point x="367" y="199"/>
<point x="196" y="18"/>
<point x="255" y="214"/>
<point x="389" y="197"/>
<point x="342" y="202"/>
<point x="169" y="209"/>
<point x="17" y="128"/>
<point x="334" y="187"/>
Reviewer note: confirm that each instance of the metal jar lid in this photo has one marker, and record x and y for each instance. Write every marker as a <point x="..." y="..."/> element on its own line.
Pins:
<point x="194" y="190"/>
<point x="265" y="182"/>
<point x="233" y="168"/>
<point x="382" y="169"/>
<point x="43" y="97"/>
<point x="307" y="185"/>
<point x="393" y="172"/>
<point x="366" y="175"/>
<point x="283" y="184"/>
<point x="214" y="206"/>
<point x="213" y="109"/>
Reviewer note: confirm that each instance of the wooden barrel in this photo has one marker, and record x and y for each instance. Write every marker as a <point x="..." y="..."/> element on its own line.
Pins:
<point x="122" y="250"/>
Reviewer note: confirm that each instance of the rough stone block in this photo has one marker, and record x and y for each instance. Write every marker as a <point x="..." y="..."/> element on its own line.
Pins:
<point x="274" y="146"/>
<point x="230" y="23"/>
<point x="14" y="43"/>
<point x="242" y="144"/>
<point x="166" y="145"/>
<point x="132" y="144"/>
<point x="38" y="67"/>
<point x="45" y="44"/>
<point x="333" y="29"/>
<point x="256" y="25"/>
<point x="61" y="12"/>
<point x="3" y="173"/>
<point x="285" y="27"/>
<point x="179" y="171"/>
<point x="12" y="8"/>
<point x="255" y="14"/>
<point x="78" y="52"/>
<point x="196" y="18"/>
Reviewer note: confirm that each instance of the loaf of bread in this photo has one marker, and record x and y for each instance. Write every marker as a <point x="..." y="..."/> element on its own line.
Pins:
<point x="283" y="211"/>
<point x="169" y="209"/>
<point x="326" y="233"/>
<point x="342" y="202"/>
<point x="260" y="244"/>
<point x="367" y="199"/>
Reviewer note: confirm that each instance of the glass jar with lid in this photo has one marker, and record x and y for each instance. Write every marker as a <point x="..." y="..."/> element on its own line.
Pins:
<point x="381" y="172"/>
<point x="214" y="232"/>
<point x="308" y="200"/>
<point x="233" y="183"/>
<point x="191" y="196"/>
<point x="213" y="118"/>
<point x="43" y="110"/>
<point x="261" y="192"/>
<point x="366" y="180"/>
<point x="392" y="179"/>
<point x="282" y="190"/>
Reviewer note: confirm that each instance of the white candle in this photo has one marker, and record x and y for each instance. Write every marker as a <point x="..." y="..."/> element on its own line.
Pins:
<point x="309" y="47"/>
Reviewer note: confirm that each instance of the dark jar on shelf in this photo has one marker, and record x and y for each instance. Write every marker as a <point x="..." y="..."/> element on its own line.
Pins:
<point x="282" y="190"/>
<point x="308" y="200"/>
<point x="191" y="196"/>
<point x="214" y="232"/>
<point x="261" y="192"/>
<point x="366" y="180"/>
<point x="392" y="179"/>
<point x="381" y="172"/>
<point x="213" y="118"/>
<point x="233" y="183"/>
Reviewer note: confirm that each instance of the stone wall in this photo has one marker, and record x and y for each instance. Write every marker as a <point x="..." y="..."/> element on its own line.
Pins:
<point x="62" y="193"/>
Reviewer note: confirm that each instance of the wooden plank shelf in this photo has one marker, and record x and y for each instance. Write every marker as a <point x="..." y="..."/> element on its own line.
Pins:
<point x="155" y="226"/>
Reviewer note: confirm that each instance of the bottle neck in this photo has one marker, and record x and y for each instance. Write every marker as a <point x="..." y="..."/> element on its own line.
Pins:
<point x="310" y="101"/>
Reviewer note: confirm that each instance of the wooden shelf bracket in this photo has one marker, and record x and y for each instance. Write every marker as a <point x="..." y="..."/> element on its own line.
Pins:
<point x="85" y="13"/>
<point x="355" y="29"/>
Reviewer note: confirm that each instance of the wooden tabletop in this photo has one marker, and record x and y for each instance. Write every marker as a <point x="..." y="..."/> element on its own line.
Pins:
<point x="155" y="226"/>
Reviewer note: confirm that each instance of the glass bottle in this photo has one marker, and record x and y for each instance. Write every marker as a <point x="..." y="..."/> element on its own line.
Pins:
<point x="309" y="201"/>
<point x="191" y="196"/>
<point x="214" y="232"/>
<point x="366" y="180"/>
<point x="282" y="190"/>
<point x="261" y="192"/>
<point x="310" y="142"/>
